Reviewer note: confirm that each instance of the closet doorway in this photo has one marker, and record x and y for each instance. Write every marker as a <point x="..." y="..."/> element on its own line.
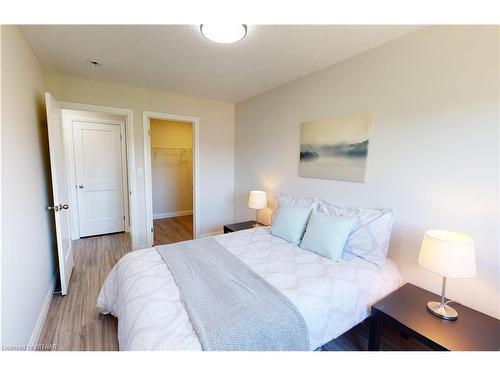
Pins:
<point x="170" y="159"/>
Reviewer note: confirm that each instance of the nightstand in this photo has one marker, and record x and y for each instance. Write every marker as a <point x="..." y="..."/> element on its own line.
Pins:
<point x="228" y="228"/>
<point x="405" y="309"/>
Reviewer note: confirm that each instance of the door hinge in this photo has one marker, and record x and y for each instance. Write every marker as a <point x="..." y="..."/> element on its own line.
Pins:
<point x="124" y="218"/>
<point x="149" y="132"/>
<point x="120" y="136"/>
<point x="152" y="230"/>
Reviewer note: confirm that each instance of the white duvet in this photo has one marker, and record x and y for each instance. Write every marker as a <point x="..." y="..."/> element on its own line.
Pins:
<point x="332" y="297"/>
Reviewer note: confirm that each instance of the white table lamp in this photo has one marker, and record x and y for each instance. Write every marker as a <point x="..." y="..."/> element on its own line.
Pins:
<point x="448" y="254"/>
<point x="257" y="200"/>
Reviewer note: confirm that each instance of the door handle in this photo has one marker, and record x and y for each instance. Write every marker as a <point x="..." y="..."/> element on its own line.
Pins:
<point x="81" y="186"/>
<point x="55" y="208"/>
<point x="63" y="206"/>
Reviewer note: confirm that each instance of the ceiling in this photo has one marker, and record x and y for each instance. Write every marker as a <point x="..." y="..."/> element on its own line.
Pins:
<point x="178" y="58"/>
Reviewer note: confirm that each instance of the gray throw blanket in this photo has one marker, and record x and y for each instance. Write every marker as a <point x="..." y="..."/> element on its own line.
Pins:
<point x="230" y="306"/>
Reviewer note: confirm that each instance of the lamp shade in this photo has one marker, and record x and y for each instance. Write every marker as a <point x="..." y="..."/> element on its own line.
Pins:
<point x="257" y="199"/>
<point x="447" y="253"/>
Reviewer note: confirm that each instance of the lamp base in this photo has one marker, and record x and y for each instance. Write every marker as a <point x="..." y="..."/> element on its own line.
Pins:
<point x="442" y="311"/>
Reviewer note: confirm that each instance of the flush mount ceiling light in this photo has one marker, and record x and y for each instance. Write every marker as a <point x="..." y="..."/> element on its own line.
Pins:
<point x="224" y="33"/>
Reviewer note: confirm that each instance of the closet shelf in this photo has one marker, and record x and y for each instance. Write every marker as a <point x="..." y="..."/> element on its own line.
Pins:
<point x="169" y="151"/>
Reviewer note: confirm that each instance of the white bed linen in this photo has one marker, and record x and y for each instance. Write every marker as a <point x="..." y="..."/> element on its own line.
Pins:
<point x="332" y="297"/>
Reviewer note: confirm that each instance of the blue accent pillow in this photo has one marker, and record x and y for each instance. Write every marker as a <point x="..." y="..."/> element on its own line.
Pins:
<point x="289" y="222"/>
<point x="327" y="235"/>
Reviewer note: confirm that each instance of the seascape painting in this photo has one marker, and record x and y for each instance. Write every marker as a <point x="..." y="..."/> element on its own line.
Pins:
<point x="335" y="148"/>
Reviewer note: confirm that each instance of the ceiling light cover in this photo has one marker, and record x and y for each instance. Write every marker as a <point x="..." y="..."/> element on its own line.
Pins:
<point x="224" y="33"/>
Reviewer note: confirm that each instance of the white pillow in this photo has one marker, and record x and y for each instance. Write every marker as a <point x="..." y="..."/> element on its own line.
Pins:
<point x="297" y="201"/>
<point x="370" y="237"/>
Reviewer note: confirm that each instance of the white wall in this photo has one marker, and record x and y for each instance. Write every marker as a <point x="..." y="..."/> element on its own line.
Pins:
<point x="216" y="167"/>
<point x="171" y="170"/>
<point x="434" y="146"/>
<point x="28" y="243"/>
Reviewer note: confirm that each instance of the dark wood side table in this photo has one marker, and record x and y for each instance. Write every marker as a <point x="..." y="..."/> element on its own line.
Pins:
<point x="405" y="309"/>
<point x="228" y="228"/>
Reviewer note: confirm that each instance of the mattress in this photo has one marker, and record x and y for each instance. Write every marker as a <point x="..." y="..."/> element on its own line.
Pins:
<point x="332" y="297"/>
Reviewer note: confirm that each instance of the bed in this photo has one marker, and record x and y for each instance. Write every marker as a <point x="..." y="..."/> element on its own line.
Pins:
<point x="332" y="297"/>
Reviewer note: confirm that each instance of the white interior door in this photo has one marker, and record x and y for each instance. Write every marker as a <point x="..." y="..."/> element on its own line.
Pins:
<point x="99" y="177"/>
<point x="59" y="190"/>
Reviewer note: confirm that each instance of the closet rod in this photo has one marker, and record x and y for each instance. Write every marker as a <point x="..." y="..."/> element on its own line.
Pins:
<point x="171" y="148"/>
<point x="181" y="151"/>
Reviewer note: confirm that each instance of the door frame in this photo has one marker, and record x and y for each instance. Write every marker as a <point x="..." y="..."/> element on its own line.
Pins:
<point x="147" y="116"/>
<point x="128" y="115"/>
<point x="70" y="153"/>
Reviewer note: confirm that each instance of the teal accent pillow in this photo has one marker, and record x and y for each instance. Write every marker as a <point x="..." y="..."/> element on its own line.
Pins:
<point x="289" y="222"/>
<point x="327" y="235"/>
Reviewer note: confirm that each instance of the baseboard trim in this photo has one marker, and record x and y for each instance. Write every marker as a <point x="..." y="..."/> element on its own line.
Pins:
<point x="166" y="215"/>
<point x="213" y="233"/>
<point x="37" y="330"/>
<point x="141" y="246"/>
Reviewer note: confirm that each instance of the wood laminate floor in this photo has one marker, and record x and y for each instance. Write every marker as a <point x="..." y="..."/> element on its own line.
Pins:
<point x="356" y="339"/>
<point x="174" y="229"/>
<point x="73" y="322"/>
